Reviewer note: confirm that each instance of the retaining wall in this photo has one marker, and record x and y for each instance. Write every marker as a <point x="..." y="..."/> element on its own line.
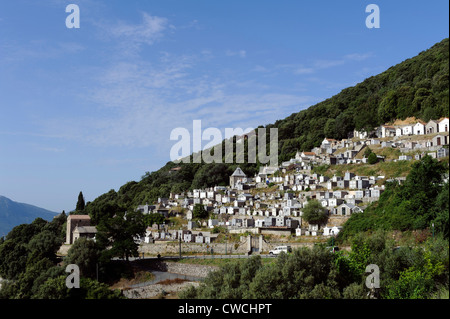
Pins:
<point x="172" y="249"/>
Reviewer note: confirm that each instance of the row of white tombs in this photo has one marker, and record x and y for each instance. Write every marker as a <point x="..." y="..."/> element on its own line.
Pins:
<point x="160" y="232"/>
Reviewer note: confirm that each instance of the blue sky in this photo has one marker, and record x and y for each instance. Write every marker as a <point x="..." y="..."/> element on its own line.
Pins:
<point x="90" y="109"/>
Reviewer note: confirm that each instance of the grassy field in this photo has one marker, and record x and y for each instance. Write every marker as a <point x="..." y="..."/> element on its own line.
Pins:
<point x="387" y="169"/>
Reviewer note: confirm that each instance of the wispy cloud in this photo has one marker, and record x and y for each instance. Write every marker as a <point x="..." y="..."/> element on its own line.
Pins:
<point x="303" y="70"/>
<point x="138" y="101"/>
<point x="352" y="57"/>
<point x="145" y="102"/>
<point x="316" y="65"/>
<point x="150" y="30"/>
<point x="51" y="149"/>
<point x="131" y="37"/>
<point x="358" y="56"/>
<point x="240" y="53"/>
<point x="37" y="49"/>
<point x="325" y="64"/>
<point x="260" y="68"/>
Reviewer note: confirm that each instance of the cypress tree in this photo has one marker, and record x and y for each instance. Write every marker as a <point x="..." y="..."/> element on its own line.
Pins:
<point x="80" y="203"/>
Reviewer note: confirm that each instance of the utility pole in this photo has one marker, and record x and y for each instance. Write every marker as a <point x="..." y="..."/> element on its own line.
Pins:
<point x="180" y="246"/>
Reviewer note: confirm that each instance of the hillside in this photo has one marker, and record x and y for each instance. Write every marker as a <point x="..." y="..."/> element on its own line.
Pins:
<point x="416" y="87"/>
<point x="421" y="202"/>
<point x="13" y="213"/>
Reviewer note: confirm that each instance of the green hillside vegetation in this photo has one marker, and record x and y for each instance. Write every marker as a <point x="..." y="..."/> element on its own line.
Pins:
<point x="419" y="203"/>
<point x="416" y="87"/>
<point x="407" y="272"/>
<point x="28" y="261"/>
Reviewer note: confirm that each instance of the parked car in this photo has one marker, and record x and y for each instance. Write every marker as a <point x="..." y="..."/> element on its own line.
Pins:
<point x="279" y="249"/>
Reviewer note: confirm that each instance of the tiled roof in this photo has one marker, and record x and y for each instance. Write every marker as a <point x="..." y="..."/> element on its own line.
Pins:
<point x="239" y="172"/>
<point x="86" y="229"/>
<point x="73" y="216"/>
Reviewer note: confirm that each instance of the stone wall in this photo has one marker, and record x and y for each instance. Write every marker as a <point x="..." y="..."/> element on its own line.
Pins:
<point x="241" y="248"/>
<point x="154" y="291"/>
<point x="276" y="232"/>
<point x="173" y="248"/>
<point x="194" y="270"/>
<point x="189" y="269"/>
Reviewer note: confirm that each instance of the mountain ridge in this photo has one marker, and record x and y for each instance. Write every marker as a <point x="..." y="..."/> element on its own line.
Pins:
<point x="14" y="213"/>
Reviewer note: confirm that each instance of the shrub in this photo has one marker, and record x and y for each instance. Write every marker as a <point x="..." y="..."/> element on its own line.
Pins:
<point x="372" y="159"/>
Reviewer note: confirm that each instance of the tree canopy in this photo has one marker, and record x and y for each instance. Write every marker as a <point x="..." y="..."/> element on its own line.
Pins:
<point x="119" y="233"/>
<point x="314" y="212"/>
<point x="199" y="212"/>
<point x="80" y="203"/>
<point x="29" y="263"/>
<point x="421" y="201"/>
<point x="316" y="273"/>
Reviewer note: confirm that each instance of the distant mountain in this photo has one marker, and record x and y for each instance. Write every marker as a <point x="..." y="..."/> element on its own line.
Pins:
<point x="13" y="213"/>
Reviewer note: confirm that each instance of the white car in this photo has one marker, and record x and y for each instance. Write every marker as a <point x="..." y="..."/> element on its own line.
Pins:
<point x="279" y="249"/>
